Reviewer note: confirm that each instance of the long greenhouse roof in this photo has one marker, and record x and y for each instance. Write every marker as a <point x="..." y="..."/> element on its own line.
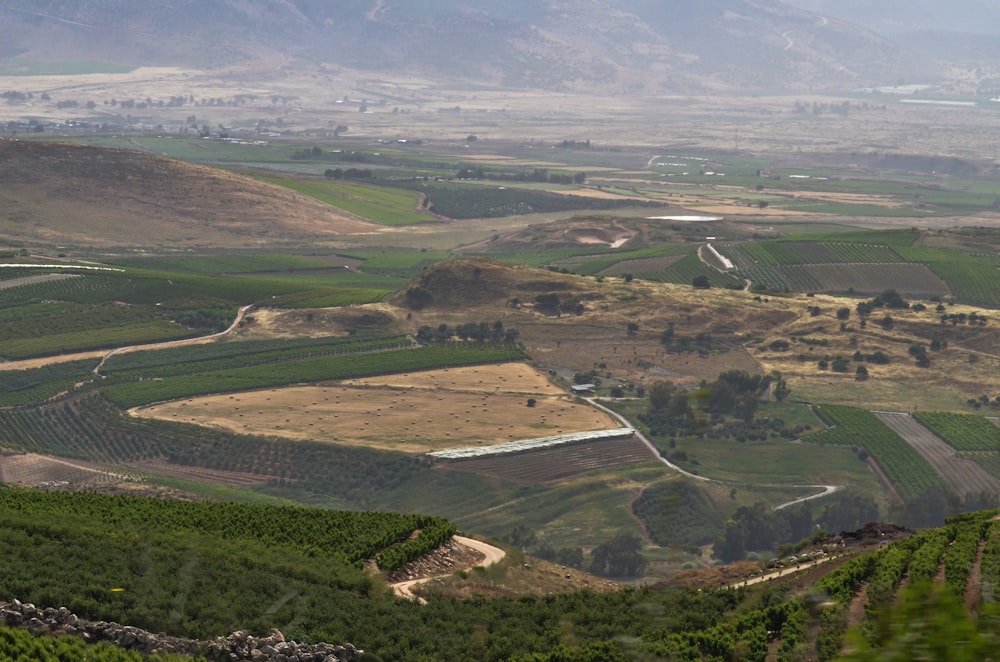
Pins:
<point x="530" y="444"/>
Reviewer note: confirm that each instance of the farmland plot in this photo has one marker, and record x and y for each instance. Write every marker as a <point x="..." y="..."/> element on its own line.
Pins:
<point x="558" y="462"/>
<point x="907" y="279"/>
<point x="964" y="476"/>
<point x="439" y="409"/>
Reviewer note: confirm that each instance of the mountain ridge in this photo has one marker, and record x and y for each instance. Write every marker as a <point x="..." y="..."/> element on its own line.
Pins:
<point x="621" y="46"/>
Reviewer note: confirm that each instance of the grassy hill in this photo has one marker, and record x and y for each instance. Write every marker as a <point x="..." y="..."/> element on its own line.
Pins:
<point x="59" y="194"/>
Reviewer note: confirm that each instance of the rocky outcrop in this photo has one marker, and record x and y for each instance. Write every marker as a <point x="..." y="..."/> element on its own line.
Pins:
<point x="237" y="646"/>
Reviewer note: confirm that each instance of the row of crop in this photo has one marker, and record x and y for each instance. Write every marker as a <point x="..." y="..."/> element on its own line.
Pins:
<point x="139" y="360"/>
<point x="989" y="566"/>
<point x="87" y="428"/>
<point x="685" y="270"/>
<point x="283" y="374"/>
<point x="890" y="565"/>
<point x="35" y="385"/>
<point x="226" y="264"/>
<point x="88" y="289"/>
<point x="431" y="536"/>
<point x="971" y="280"/>
<point x="350" y="535"/>
<point x="309" y="352"/>
<point x="969" y="531"/>
<point x="909" y="472"/>
<point x="964" y="432"/>
<point x="815" y="252"/>
<point x="478" y="201"/>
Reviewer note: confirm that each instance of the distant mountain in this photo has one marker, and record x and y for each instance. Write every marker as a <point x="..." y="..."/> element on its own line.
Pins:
<point x="617" y="46"/>
<point x="896" y="17"/>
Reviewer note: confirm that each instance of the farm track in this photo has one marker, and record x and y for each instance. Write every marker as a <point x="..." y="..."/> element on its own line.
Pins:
<point x="198" y="474"/>
<point x="34" y="469"/>
<point x="34" y="280"/>
<point x="826" y="489"/>
<point x="963" y="476"/>
<point x="558" y="462"/>
<point x="491" y="555"/>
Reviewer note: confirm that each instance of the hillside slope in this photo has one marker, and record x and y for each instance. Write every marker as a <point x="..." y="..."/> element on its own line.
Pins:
<point x="618" y="45"/>
<point x="78" y="195"/>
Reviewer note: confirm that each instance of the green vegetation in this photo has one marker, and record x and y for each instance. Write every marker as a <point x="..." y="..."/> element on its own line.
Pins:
<point x="305" y="370"/>
<point x="909" y="472"/>
<point x="964" y="432"/>
<point x="468" y="200"/>
<point x="23" y="645"/>
<point x="380" y="204"/>
<point x="24" y="387"/>
<point x="197" y="569"/>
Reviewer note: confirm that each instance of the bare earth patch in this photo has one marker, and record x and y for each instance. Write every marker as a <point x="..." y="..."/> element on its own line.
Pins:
<point x="40" y="470"/>
<point x="430" y="414"/>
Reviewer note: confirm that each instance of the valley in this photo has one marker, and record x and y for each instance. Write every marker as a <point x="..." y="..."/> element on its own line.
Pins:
<point x="674" y="331"/>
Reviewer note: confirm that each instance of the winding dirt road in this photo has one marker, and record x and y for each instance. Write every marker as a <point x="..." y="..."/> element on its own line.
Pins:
<point x="493" y="555"/>
<point x="826" y="490"/>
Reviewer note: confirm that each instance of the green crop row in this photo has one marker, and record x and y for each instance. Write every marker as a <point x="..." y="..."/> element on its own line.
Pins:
<point x="309" y="352"/>
<point x="909" y="472"/>
<point x="222" y="350"/>
<point x="24" y="387"/>
<point x="964" y="432"/>
<point x="379" y="204"/>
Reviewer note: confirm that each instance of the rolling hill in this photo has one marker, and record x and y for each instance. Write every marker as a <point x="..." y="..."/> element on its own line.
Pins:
<point x="90" y="196"/>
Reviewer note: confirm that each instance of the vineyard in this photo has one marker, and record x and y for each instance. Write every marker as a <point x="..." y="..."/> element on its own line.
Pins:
<point x="964" y="432"/>
<point x="198" y="569"/>
<point x="545" y="465"/>
<point x="908" y="471"/>
<point x="301" y="370"/>
<point x="964" y="476"/>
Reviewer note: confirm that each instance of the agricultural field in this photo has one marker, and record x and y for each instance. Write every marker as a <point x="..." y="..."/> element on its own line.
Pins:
<point x="963" y="476"/>
<point x="963" y="432"/>
<point x="909" y="472"/>
<point x="559" y="462"/>
<point x="383" y="205"/>
<point x="410" y="412"/>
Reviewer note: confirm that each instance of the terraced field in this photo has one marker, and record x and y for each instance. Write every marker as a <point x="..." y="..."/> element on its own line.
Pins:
<point x="559" y="462"/>
<point x="964" y="476"/>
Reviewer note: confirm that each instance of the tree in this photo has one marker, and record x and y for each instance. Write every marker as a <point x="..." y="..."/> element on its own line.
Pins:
<point x="632" y="328"/>
<point x="418" y="298"/>
<point x="843" y="313"/>
<point x="531" y="402"/>
<point x="701" y="282"/>
<point x="619" y="557"/>
<point x="861" y="373"/>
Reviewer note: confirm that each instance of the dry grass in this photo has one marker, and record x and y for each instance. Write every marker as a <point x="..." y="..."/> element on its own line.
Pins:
<point x="65" y="190"/>
<point x="466" y="407"/>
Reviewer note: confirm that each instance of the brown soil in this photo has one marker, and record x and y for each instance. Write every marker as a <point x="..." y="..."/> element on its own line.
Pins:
<point x="65" y="191"/>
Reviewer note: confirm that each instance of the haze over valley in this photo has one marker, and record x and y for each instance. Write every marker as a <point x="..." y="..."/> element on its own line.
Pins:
<point x="529" y="331"/>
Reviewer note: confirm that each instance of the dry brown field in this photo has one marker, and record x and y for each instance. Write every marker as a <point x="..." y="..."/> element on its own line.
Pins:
<point x="408" y="414"/>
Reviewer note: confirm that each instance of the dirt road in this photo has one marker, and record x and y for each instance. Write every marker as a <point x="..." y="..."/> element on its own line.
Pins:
<point x="492" y="554"/>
